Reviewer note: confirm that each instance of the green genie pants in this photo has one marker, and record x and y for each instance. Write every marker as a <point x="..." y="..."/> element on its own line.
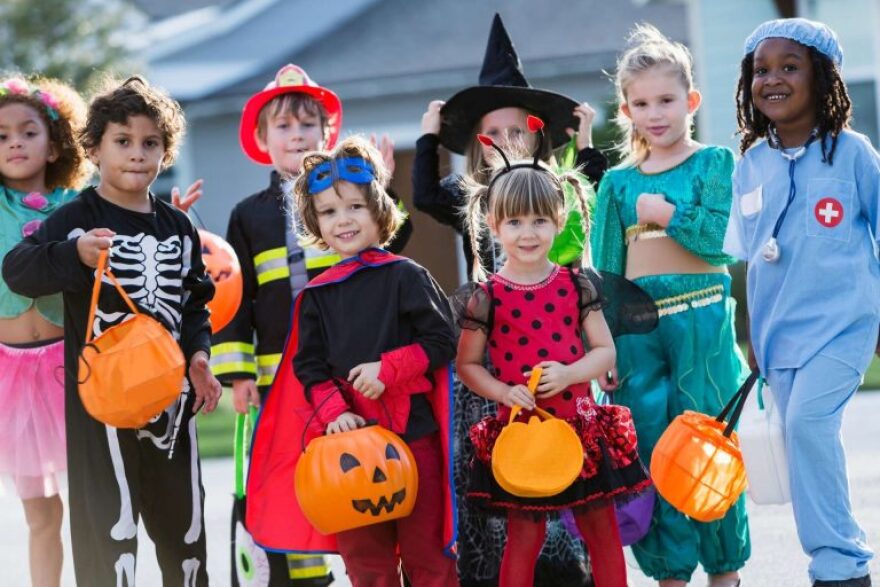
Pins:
<point x="690" y="362"/>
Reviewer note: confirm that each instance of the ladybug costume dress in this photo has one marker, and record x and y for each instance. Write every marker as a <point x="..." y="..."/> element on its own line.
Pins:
<point x="528" y="324"/>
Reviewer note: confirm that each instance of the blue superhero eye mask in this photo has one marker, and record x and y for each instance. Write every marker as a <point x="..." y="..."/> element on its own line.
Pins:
<point x="352" y="169"/>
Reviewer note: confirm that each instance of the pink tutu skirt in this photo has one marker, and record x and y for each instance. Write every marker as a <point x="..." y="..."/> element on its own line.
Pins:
<point x="32" y="441"/>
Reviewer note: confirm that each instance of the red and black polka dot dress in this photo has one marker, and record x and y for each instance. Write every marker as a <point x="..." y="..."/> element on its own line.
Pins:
<point x="528" y="324"/>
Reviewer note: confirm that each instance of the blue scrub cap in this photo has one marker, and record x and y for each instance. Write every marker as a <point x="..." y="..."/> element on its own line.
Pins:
<point x="806" y="32"/>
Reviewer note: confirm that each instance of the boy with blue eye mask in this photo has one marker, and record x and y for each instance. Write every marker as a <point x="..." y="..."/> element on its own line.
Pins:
<point x="290" y="117"/>
<point x="805" y="218"/>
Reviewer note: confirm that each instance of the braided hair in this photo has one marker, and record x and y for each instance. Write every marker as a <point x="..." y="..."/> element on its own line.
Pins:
<point x="833" y="110"/>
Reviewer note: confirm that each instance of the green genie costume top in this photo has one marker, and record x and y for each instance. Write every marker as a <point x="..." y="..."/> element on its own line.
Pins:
<point x="21" y="215"/>
<point x="699" y="187"/>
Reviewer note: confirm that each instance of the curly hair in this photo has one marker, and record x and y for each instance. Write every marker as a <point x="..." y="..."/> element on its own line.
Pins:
<point x="62" y="111"/>
<point x="117" y="102"/>
<point x="383" y="210"/>
<point x="833" y="104"/>
<point x="518" y="192"/>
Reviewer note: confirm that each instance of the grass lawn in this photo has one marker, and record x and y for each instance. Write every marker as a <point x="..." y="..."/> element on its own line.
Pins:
<point x="216" y="430"/>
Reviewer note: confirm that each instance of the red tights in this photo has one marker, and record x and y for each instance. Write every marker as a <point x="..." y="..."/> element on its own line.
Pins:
<point x="525" y="537"/>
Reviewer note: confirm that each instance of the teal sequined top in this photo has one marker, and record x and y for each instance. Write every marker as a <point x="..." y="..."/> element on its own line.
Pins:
<point x="701" y="189"/>
<point x="20" y="215"/>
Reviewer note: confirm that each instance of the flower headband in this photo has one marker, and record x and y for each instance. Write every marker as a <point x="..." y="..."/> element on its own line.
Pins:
<point x="535" y="125"/>
<point x="353" y="169"/>
<point x="19" y="87"/>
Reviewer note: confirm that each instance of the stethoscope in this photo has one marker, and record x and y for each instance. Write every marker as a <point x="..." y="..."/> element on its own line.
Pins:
<point x="770" y="252"/>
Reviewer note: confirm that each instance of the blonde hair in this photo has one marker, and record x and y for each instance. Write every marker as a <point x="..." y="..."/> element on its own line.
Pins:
<point x="646" y="48"/>
<point x="382" y="207"/>
<point x="518" y="192"/>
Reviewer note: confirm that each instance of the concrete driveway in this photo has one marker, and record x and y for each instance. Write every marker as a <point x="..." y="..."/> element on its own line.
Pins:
<point x="777" y="560"/>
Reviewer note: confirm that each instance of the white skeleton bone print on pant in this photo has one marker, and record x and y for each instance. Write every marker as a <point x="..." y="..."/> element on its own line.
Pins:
<point x="151" y="482"/>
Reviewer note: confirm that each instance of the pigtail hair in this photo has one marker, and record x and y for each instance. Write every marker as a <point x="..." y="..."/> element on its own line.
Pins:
<point x="475" y="216"/>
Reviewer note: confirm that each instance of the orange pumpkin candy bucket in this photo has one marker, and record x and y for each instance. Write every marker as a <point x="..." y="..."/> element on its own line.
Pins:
<point x="697" y="465"/>
<point x="538" y="458"/>
<point x="222" y="266"/>
<point x="358" y="478"/>
<point x="134" y="370"/>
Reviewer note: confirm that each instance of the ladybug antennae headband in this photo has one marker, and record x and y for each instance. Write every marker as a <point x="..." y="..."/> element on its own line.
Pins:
<point x="535" y="125"/>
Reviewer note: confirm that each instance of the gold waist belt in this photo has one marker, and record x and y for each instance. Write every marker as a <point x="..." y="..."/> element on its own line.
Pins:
<point x="692" y="299"/>
<point x="643" y="232"/>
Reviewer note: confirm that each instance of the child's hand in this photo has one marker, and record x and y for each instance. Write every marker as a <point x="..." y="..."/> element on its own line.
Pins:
<point x="585" y="115"/>
<point x="346" y="422"/>
<point x="753" y="362"/>
<point x="244" y="395"/>
<point x="193" y="193"/>
<point x="90" y="245"/>
<point x="609" y="381"/>
<point x="555" y="378"/>
<point x="431" y="118"/>
<point x="205" y="385"/>
<point x="386" y="148"/>
<point x="654" y="209"/>
<point x="365" y="379"/>
<point x="519" y="395"/>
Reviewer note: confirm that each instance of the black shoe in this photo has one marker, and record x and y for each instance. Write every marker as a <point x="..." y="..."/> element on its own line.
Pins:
<point x="860" y="582"/>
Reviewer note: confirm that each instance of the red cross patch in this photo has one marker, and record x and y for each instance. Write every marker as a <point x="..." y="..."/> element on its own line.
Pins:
<point x="829" y="212"/>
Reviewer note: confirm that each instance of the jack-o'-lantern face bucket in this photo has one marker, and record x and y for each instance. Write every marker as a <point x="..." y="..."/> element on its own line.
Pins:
<point x="357" y="478"/>
<point x="221" y="264"/>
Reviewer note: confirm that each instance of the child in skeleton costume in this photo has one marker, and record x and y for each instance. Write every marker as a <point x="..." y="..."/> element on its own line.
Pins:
<point x="371" y="338"/>
<point x="41" y="167"/>
<point x="498" y="107"/>
<point x="660" y="220"/>
<point x="534" y="314"/>
<point x="806" y="218"/>
<point x="118" y="475"/>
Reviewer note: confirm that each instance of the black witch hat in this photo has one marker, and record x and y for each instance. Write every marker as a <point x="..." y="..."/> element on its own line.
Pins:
<point x="503" y="85"/>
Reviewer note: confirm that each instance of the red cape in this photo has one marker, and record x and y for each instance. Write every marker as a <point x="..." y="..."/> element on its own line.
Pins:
<point x="274" y="518"/>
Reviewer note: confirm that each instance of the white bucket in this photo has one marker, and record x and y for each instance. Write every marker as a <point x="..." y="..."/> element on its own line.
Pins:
<point x="762" y="441"/>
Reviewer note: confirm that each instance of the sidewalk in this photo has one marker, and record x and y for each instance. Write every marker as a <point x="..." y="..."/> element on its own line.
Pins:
<point x="777" y="560"/>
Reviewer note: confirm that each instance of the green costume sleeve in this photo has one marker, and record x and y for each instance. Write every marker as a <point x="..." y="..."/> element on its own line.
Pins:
<point x="569" y="245"/>
<point x="700" y="227"/>
<point x="606" y="233"/>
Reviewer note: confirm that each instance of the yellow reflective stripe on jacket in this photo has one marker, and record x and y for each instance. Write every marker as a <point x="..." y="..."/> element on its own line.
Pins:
<point x="233" y="357"/>
<point x="266" y="367"/>
<point x="305" y="566"/>
<point x="318" y="259"/>
<point x="402" y="208"/>
<point x="271" y="265"/>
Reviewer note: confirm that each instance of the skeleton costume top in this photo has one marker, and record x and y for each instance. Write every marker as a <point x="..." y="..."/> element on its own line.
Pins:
<point x="156" y="256"/>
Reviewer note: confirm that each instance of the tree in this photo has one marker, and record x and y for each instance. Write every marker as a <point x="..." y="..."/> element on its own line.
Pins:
<point x="72" y="40"/>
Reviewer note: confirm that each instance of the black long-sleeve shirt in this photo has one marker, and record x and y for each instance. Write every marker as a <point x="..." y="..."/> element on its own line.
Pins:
<point x="444" y="199"/>
<point x="374" y="311"/>
<point x="156" y="257"/>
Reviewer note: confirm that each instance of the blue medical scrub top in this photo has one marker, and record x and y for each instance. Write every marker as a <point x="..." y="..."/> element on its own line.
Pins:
<point x="823" y="293"/>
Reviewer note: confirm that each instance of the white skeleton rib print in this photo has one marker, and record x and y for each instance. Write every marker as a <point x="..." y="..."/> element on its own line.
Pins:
<point x="151" y="272"/>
